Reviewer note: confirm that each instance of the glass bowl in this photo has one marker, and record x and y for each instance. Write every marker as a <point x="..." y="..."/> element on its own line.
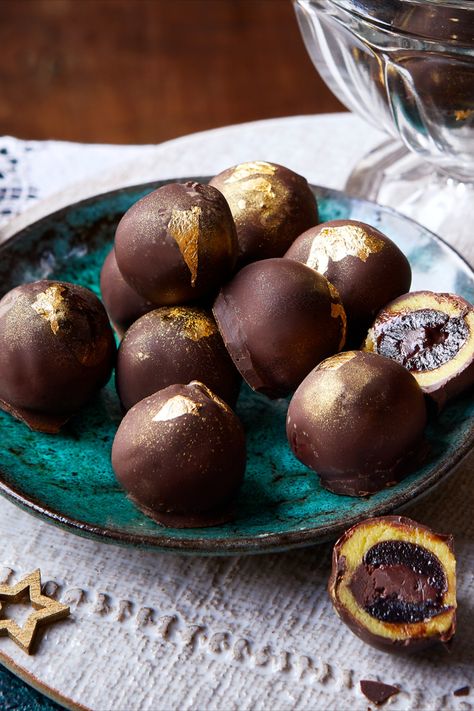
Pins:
<point x="406" y="66"/>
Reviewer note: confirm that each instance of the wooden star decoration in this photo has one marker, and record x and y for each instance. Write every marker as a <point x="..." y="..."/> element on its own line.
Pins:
<point x="46" y="611"/>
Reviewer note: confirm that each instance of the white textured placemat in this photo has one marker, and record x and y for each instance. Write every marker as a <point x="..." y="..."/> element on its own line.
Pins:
<point x="157" y="632"/>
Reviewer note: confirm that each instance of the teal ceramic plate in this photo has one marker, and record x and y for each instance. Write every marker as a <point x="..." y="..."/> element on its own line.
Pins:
<point x="67" y="479"/>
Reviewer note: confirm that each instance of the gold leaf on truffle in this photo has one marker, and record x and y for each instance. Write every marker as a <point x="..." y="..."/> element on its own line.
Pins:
<point x="51" y="305"/>
<point x="185" y="230"/>
<point x="250" y="169"/>
<point x="336" y="243"/>
<point x="175" y="407"/>
<point x="195" y="324"/>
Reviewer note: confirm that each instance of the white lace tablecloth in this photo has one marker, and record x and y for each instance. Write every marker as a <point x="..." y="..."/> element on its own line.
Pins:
<point x="152" y="632"/>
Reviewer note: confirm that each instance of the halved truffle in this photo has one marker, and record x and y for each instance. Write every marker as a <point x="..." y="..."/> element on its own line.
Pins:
<point x="393" y="583"/>
<point x="278" y="319"/>
<point x="174" y="345"/>
<point x="271" y="206"/>
<point x="180" y="455"/>
<point x="432" y="335"/>
<point x="57" y="350"/>
<point x="177" y="244"/>
<point x="358" y="420"/>
<point x="365" y="266"/>
<point x="122" y="303"/>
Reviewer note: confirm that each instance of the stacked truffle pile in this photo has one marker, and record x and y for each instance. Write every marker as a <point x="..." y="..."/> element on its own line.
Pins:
<point x="209" y="284"/>
<point x="214" y="283"/>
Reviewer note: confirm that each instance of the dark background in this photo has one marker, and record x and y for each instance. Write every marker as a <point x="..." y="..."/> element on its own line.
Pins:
<point x="143" y="71"/>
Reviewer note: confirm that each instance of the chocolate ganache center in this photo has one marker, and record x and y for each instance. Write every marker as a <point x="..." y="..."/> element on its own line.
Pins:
<point x="422" y="340"/>
<point x="398" y="582"/>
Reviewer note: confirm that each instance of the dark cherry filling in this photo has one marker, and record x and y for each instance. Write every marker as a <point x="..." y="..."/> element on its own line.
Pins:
<point x="399" y="581"/>
<point x="422" y="340"/>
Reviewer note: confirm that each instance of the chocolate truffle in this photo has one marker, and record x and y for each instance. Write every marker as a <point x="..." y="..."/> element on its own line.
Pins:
<point x="278" y="319"/>
<point x="180" y="455"/>
<point x="271" y="206"/>
<point x="177" y="244"/>
<point x="365" y="266"/>
<point x="358" y="421"/>
<point x="174" y="345"/>
<point x="432" y="335"/>
<point x="56" y="350"/>
<point x="393" y="583"/>
<point x="123" y="304"/>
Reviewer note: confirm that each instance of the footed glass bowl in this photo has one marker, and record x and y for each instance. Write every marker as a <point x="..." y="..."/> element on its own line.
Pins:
<point x="406" y="66"/>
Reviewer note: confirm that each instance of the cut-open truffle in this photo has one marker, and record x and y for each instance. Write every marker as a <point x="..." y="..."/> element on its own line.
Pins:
<point x="432" y="335"/>
<point x="393" y="583"/>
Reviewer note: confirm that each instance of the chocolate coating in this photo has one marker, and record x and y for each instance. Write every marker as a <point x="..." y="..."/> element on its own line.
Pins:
<point x="123" y="304"/>
<point x="278" y="319"/>
<point x="358" y="421"/>
<point x="271" y="206"/>
<point x="174" y="345"/>
<point x="365" y="266"/>
<point x="432" y="335"/>
<point x="393" y="582"/>
<point x="177" y="244"/>
<point x="180" y="455"/>
<point x="56" y="350"/>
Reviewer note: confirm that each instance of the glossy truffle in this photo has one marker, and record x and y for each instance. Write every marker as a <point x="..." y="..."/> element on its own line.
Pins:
<point x="393" y="582"/>
<point x="278" y="319"/>
<point x="177" y="244"/>
<point x="358" y="421"/>
<point x="174" y="345"/>
<point x="123" y="304"/>
<point x="56" y="350"/>
<point x="432" y="335"/>
<point x="365" y="266"/>
<point x="180" y="455"/>
<point x="271" y="206"/>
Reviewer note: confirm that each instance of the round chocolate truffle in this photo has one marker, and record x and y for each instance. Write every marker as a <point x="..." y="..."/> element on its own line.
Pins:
<point x="278" y="319"/>
<point x="271" y="206"/>
<point x="56" y="350"/>
<point x="174" y="345"/>
<point x="123" y="304"/>
<point x="358" y="421"/>
<point x="432" y="335"/>
<point x="177" y="244"/>
<point x="393" y="583"/>
<point x="365" y="266"/>
<point x="180" y="455"/>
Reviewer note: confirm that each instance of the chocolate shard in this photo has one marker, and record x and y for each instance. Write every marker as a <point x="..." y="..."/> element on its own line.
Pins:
<point x="462" y="691"/>
<point x="377" y="692"/>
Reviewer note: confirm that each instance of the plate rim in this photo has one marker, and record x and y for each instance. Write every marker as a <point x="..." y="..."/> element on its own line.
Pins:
<point x="258" y="543"/>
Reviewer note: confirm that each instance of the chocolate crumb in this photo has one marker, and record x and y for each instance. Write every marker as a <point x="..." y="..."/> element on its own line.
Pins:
<point x="463" y="691"/>
<point x="377" y="692"/>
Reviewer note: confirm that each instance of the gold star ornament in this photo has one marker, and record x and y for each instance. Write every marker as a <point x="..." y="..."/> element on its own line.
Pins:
<point x="46" y="610"/>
